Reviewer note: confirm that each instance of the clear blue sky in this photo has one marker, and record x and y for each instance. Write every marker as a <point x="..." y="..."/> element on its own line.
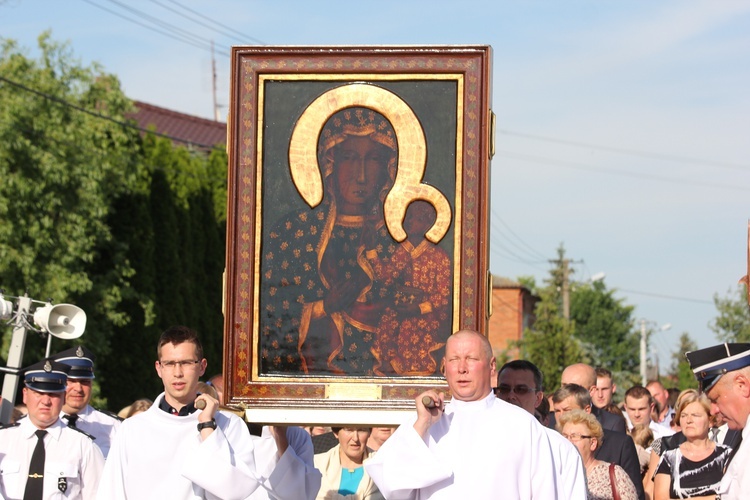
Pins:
<point x="623" y="125"/>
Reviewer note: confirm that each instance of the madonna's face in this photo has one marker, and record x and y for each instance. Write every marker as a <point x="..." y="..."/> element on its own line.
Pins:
<point x="360" y="171"/>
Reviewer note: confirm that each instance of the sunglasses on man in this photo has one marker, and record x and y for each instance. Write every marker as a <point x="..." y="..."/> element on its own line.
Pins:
<point x="519" y="390"/>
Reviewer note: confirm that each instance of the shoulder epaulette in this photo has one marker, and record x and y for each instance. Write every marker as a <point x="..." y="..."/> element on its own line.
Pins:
<point x="110" y="414"/>
<point x="82" y="432"/>
<point x="8" y="426"/>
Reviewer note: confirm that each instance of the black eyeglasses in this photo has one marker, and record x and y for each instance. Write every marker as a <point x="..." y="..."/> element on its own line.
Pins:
<point x="520" y="390"/>
<point x="575" y="437"/>
<point x="184" y="364"/>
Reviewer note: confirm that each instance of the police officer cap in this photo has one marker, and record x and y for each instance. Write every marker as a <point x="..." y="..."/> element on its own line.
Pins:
<point x="47" y="376"/>
<point x="80" y="360"/>
<point x="711" y="363"/>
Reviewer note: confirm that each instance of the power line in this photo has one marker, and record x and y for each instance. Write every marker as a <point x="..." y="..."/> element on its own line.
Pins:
<point x="507" y="304"/>
<point x="175" y="35"/>
<point x="528" y="248"/>
<point x="495" y="252"/>
<point x="632" y="152"/>
<point x="175" y="29"/>
<point x="96" y="114"/>
<point x="496" y="243"/>
<point x="510" y="254"/>
<point x="97" y="154"/>
<point x="605" y="170"/>
<point x="670" y="297"/>
<point x="212" y="21"/>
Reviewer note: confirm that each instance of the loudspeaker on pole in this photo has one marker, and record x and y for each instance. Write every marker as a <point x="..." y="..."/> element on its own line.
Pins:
<point x="64" y="321"/>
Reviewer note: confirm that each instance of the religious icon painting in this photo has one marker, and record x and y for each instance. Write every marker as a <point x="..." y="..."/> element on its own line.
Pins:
<point x="357" y="237"/>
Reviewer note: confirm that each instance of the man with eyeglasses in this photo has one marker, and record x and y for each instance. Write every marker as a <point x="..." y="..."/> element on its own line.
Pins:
<point x="617" y="447"/>
<point x="520" y="383"/>
<point x="176" y="451"/>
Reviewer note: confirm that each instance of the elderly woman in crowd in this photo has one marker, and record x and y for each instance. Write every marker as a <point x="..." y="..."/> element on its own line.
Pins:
<point x="344" y="477"/>
<point x="694" y="468"/>
<point x="603" y="479"/>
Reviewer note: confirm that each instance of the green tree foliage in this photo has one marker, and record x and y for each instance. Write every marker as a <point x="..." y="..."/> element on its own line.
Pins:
<point x="604" y="326"/>
<point x="178" y="255"/>
<point x="130" y="229"/>
<point x="61" y="168"/>
<point x="599" y="331"/>
<point x="681" y="374"/>
<point x="550" y="343"/>
<point x="733" y="322"/>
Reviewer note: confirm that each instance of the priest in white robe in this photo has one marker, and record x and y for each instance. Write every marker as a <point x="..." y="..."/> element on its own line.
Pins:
<point x="475" y="446"/>
<point x="178" y="452"/>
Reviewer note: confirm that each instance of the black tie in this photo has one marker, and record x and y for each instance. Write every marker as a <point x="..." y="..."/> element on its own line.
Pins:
<point x="72" y="419"/>
<point x="715" y="434"/>
<point x="35" y="482"/>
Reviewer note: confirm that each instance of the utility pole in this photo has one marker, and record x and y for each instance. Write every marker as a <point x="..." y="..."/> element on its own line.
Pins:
<point x="213" y="82"/>
<point x="644" y="375"/>
<point x="566" y="289"/>
<point x="562" y="276"/>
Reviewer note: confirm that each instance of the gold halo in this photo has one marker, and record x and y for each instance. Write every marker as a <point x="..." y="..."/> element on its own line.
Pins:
<point x="412" y="154"/>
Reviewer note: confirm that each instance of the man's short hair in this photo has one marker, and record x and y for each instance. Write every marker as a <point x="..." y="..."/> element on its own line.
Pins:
<point x="638" y="392"/>
<point x="176" y="335"/>
<point x="603" y="373"/>
<point x="522" y="364"/>
<point x="580" y="393"/>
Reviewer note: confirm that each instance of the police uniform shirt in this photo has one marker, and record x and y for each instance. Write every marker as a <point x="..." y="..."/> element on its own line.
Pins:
<point x="98" y="424"/>
<point x="735" y="484"/>
<point x="72" y="465"/>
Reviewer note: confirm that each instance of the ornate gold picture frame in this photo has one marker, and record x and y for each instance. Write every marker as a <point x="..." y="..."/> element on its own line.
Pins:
<point x="357" y="226"/>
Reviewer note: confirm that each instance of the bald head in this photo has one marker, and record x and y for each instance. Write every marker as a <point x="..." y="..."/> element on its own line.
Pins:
<point x="465" y="334"/>
<point x="469" y="366"/>
<point x="579" y="374"/>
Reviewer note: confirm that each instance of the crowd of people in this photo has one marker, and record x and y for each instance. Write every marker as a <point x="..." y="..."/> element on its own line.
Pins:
<point x="507" y="441"/>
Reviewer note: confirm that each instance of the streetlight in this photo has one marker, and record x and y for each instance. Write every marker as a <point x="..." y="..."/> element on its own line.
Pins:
<point x="644" y="348"/>
<point x="597" y="277"/>
<point x="566" y="287"/>
<point x="64" y="321"/>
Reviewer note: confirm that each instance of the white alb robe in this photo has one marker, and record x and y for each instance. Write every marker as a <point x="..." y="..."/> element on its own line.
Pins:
<point x="156" y="455"/>
<point x="478" y="449"/>
<point x="735" y="484"/>
<point x="570" y="473"/>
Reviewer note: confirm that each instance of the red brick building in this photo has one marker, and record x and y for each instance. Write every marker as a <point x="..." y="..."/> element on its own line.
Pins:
<point x="512" y="312"/>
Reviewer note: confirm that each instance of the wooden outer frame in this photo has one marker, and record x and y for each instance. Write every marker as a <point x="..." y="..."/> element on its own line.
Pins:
<point x="326" y="401"/>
